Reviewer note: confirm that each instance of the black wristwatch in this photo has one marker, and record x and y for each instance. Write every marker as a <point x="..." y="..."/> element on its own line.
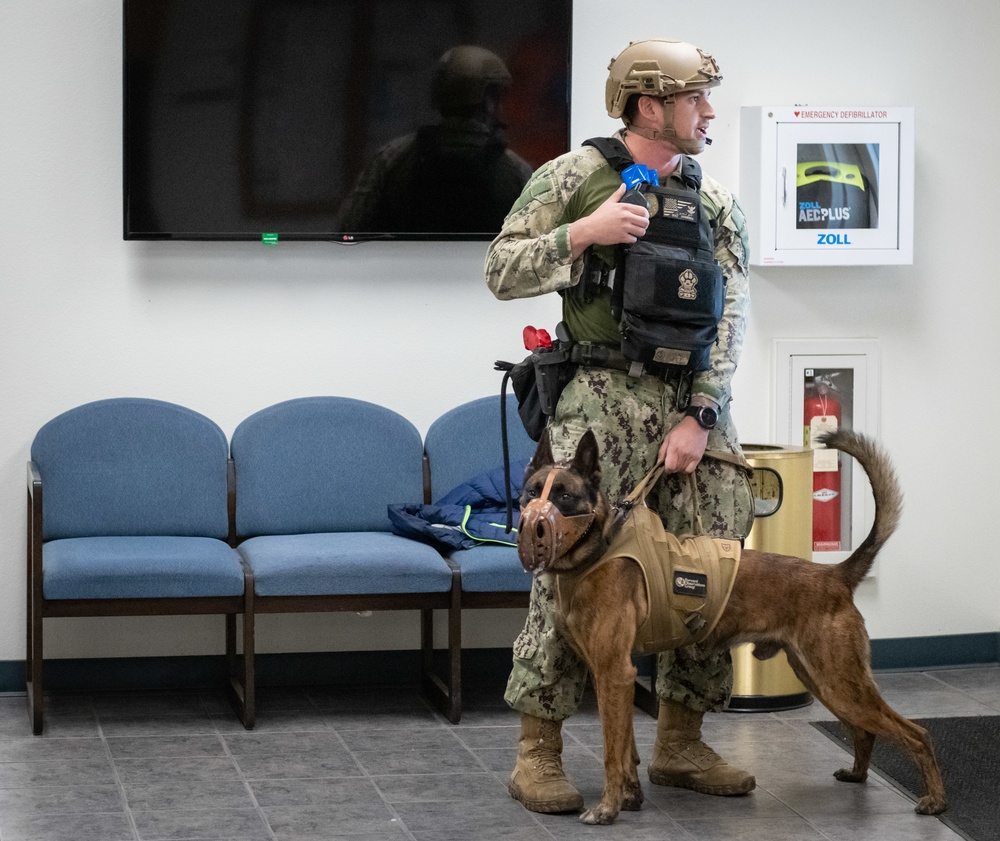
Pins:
<point x="706" y="416"/>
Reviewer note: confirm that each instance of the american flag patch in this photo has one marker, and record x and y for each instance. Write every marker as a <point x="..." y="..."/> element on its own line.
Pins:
<point x="678" y="208"/>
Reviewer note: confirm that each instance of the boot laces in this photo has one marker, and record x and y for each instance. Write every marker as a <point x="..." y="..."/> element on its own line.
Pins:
<point x="547" y="764"/>
<point x="701" y="754"/>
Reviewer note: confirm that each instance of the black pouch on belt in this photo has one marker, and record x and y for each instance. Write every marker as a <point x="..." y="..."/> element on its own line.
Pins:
<point x="537" y="381"/>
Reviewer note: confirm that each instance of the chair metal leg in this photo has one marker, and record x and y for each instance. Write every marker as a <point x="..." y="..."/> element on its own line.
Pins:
<point x="454" y="711"/>
<point x="240" y="666"/>
<point x="249" y="672"/>
<point x="646" y="698"/>
<point x="33" y="669"/>
<point x="446" y="693"/>
<point x="34" y="642"/>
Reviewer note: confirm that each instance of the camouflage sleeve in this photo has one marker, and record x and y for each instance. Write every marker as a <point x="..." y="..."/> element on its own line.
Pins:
<point x="732" y="252"/>
<point x="532" y="254"/>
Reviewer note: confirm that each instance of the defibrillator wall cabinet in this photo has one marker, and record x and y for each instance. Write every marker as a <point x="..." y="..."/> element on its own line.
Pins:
<point x="825" y="186"/>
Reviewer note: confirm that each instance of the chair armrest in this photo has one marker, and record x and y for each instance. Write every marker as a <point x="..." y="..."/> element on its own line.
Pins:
<point x="34" y="527"/>
<point x="34" y="477"/>
<point x="34" y="498"/>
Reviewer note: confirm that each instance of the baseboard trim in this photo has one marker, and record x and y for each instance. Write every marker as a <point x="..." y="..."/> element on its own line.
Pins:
<point x="936" y="652"/>
<point x="345" y="668"/>
<point x="479" y="666"/>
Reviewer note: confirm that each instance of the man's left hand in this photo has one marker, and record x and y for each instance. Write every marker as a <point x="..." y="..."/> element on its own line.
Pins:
<point x="683" y="447"/>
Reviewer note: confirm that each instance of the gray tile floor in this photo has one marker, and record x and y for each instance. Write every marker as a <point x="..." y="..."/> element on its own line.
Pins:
<point x="371" y="764"/>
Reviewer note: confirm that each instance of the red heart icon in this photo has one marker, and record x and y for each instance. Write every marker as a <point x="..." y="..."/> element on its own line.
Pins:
<point x="796" y="113"/>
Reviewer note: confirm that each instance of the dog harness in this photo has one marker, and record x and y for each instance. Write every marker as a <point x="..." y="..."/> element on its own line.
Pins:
<point x="688" y="579"/>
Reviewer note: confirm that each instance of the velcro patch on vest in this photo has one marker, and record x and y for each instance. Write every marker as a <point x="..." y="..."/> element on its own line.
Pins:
<point x="678" y="207"/>
<point x="671" y="356"/>
<point x="690" y="584"/>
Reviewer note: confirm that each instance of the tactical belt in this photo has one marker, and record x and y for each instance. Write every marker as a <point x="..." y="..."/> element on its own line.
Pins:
<point x="600" y="356"/>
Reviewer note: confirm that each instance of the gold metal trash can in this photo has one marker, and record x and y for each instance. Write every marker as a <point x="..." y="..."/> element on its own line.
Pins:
<point x="782" y="483"/>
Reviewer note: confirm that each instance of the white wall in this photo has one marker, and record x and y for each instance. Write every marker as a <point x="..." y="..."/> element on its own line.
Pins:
<point x="227" y="328"/>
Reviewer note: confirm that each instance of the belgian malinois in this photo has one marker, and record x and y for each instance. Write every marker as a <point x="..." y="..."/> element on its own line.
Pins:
<point x="777" y="602"/>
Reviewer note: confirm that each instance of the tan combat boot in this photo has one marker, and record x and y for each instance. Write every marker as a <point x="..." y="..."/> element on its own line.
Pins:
<point x="682" y="759"/>
<point x="538" y="781"/>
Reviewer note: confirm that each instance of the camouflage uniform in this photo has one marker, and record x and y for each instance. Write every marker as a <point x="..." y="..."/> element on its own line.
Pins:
<point x="630" y="416"/>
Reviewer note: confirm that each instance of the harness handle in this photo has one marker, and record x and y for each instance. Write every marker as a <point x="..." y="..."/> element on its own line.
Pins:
<point x="645" y="485"/>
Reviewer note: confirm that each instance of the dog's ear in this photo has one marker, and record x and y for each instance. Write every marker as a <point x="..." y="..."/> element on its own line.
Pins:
<point x="586" y="461"/>
<point x="543" y="454"/>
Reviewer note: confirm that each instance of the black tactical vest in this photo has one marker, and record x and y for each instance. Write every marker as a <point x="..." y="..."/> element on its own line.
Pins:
<point x="669" y="290"/>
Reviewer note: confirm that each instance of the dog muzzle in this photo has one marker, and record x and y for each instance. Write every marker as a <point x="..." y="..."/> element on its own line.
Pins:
<point x="544" y="533"/>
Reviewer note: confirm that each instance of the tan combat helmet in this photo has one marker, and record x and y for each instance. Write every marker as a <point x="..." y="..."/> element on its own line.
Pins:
<point x="661" y="68"/>
<point x="463" y="76"/>
<point x="658" y="67"/>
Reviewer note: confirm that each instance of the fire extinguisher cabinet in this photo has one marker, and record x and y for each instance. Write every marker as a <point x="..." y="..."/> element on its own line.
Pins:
<point x="783" y="501"/>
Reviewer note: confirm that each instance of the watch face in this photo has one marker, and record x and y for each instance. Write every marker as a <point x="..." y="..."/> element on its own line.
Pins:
<point x="706" y="416"/>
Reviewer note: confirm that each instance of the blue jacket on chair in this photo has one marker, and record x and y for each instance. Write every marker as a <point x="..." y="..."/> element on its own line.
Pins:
<point x="473" y="513"/>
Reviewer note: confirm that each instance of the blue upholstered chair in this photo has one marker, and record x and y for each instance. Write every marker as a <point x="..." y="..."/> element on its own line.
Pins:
<point x="128" y="515"/>
<point x="314" y="479"/>
<point x="461" y="444"/>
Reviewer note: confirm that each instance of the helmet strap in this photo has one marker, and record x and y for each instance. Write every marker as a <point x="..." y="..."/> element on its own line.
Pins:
<point x="667" y="133"/>
<point x="649" y="133"/>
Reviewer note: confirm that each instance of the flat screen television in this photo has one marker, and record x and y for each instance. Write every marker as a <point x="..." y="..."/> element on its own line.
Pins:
<point x="343" y="120"/>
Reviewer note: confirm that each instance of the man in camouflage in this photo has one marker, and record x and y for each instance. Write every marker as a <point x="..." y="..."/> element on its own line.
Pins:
<point x="569" y="207"/>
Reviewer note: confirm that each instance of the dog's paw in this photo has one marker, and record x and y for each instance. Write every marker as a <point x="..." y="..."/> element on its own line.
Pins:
<point x="850" y="776"/>
<point x="928" y="805"/>
<point x="599" y="816"/>
<point x="633" y="799"/>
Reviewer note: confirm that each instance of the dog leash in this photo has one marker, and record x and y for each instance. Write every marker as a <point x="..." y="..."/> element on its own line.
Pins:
<point x="730" y="458"/>
<point x="646" y="484"/>
<point x="688" y="481"/>
<point x="505" y="446"/>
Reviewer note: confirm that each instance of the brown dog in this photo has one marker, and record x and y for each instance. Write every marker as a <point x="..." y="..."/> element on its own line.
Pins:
<point x="777" y="602"/>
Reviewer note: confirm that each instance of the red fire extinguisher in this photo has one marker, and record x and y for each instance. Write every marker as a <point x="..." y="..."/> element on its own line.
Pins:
<point x="822" y="413"/>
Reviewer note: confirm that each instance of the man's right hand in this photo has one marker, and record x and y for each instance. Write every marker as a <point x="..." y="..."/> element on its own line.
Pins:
<point x="613" y="223"/>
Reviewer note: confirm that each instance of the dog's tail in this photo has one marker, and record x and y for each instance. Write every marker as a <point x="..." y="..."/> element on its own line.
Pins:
<point x="888" y="500"/>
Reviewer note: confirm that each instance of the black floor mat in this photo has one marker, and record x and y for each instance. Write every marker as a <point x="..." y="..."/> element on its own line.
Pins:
<point x="968" y="750"/>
